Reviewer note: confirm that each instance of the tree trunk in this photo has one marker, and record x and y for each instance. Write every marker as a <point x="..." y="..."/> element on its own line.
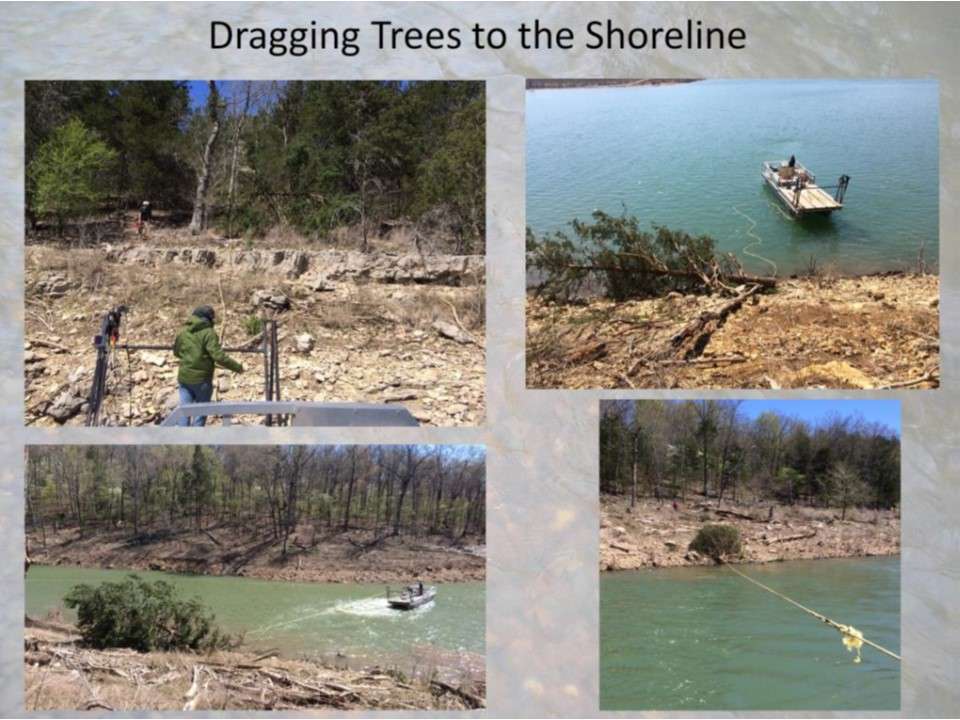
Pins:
<point x="198" y="223"/>
<point x="231" y="189"/>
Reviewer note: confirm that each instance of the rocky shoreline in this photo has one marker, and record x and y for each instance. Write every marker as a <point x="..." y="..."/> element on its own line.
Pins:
<point x="657" y="534"/>
<point x="352" y="557"/>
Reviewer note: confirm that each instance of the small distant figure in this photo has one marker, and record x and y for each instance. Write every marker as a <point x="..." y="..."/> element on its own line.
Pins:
<point x="792" y="162"/>
<point x="198" y="349"/>
<point x="675" y="505"/>
<point x="145" y="216"/>
<point x="419" y="587"/>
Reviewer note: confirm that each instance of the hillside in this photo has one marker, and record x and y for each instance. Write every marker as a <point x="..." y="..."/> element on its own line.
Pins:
<point x="385" y="326"/>
<point x="357" y="556"/>
<point x="657" y="534"/>
<point x="852" y="332"/>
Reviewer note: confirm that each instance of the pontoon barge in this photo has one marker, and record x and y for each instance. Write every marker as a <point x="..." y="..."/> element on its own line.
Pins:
<point x="797" y="189"/>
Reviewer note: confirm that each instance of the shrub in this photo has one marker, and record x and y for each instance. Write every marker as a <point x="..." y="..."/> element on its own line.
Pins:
<point x="717" y="541"/>
<point x="253" y="325"/>
<point x="143" y="616"/>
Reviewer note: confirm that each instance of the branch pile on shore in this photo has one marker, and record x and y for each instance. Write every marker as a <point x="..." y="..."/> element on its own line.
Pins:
<point x="61" y="674"/>
<point x="862" y="332"/>
<point x="657" y="534"/>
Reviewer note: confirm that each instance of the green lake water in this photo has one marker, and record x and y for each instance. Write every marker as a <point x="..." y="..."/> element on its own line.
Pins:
<point x="306" y="619"/>
<point x="688" y="157"/>
<point x="705" y="639"/>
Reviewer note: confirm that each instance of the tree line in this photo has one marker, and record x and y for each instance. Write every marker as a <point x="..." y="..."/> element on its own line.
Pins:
<point x="256" y="156"/>
<point x="282" y="491"/>
<point x="677" y="449"/>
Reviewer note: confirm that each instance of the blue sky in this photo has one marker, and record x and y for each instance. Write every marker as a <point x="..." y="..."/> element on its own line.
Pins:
<point x="198" y="92"/>
<point x="816" y="412"/>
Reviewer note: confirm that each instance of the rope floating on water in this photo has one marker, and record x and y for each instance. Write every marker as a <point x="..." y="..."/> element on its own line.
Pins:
<point x="852" y="638"/>
<point x="757" y="240"/>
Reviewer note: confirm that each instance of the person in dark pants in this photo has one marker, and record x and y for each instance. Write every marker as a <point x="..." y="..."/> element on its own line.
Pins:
<point x="145" y="216"/>
<point x="198" y="349"/>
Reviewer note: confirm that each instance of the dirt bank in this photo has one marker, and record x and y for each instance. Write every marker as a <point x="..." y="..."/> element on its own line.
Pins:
<point x="376" y="328"/>
<point x="62" y="674"/>
<point x="855" y="332"/>
<point x="353" y="556"/>
<point x="658" y="534"/>
<point x="565" y="83"/>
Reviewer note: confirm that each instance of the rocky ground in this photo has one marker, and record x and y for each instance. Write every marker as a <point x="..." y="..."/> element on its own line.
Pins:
<point x="379" y="327"/>
<point x="357" y="556"/>
<point x="656" y="534"/>
<point x="853" y="332"/>
<point x="60" y="673"/>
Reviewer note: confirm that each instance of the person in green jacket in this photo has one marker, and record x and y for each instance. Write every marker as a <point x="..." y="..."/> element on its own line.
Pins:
<point x="198" y="349"/>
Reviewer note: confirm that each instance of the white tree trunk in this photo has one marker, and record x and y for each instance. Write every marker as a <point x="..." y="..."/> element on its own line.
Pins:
<point x="198" y="223"/>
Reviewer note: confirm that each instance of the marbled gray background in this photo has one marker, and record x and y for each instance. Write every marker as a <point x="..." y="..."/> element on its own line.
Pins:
<point x="542" y="582"/>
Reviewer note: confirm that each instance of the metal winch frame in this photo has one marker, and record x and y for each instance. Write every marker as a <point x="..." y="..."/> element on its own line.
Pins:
<point x="107" y="342"/>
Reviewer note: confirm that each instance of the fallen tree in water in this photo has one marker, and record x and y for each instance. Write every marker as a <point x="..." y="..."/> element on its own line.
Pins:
<point x="614" y="305"/>
<point x="612" y="256"/>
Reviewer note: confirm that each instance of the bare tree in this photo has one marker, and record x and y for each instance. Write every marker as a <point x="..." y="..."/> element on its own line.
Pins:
<point x="198" y="223"/>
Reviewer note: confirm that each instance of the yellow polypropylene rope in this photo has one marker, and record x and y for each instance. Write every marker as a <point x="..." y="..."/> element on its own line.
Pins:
<point x="853" y="639"/>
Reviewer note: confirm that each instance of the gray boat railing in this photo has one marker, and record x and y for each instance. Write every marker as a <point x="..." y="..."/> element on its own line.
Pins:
<point x="300" y="413"/>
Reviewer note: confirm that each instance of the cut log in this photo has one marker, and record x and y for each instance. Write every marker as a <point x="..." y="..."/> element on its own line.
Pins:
<point x="471" y="700"/>
<point x="741" y="516"/>
<point x="587" y="353"/>
<point x="693" y="338"/>
<point x="791" y="538"/>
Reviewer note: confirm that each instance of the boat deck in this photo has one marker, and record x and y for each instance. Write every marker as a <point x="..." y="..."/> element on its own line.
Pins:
<point x="813" y="199"/>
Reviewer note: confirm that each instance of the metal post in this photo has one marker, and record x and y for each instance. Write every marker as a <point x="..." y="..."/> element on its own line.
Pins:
<point x="267" y="371"/>
<point x="276" y="362"/>
<point x="842" y="188"/>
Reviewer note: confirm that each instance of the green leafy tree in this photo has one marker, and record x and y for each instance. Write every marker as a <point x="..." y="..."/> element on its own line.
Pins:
<point x="66" y="176"/>
<point x="143" y="616"/>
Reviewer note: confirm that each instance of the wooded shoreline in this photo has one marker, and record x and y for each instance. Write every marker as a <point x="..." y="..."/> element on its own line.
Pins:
<point x="321" y="513"/>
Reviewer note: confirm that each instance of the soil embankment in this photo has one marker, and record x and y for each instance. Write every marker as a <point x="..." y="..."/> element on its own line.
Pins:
<point x="854" y="333"/>
<point x="60" y="673"/>
<point x="572" y="83"/>
<point x="657" y="534"/>
<point x="378" y="327"/>
<point x="355" y="556"/>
